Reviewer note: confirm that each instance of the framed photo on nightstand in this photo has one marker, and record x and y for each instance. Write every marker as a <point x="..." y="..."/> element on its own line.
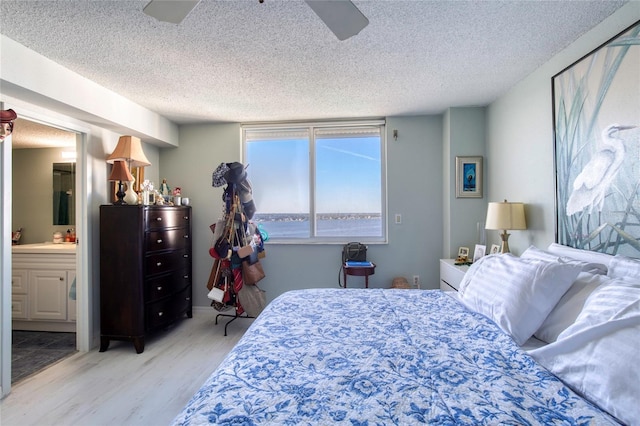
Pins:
<point x="479" y="252"/>
<point x="463" y="252"/>
<point x="495" y="248"/>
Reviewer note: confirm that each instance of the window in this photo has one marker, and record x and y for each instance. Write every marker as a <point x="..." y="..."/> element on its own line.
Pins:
<point x="318" y="182"/>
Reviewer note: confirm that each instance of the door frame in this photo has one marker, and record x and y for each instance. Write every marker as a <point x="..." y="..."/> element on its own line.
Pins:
<point x="84" y="329"/>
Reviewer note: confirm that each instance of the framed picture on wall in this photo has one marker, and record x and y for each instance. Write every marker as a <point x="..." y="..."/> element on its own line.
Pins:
<point x="469" y="177"/>
<point x="596" y="110"/>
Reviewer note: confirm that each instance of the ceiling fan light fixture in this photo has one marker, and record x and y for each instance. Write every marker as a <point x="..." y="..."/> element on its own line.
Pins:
<point x="342" y="17"/>
<point x="173" y="11"/>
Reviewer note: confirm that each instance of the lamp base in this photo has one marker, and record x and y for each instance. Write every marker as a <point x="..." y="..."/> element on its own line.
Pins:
<point x="120" y="194"/>
<point x="131" y="197"/>
<point x="505" y="242"/>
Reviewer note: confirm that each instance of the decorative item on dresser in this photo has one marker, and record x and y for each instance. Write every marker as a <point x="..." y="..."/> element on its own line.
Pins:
<point x="145" y="270"/>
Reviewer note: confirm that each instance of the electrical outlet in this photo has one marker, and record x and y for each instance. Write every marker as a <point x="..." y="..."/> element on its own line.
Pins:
<point x="416" y="281"/>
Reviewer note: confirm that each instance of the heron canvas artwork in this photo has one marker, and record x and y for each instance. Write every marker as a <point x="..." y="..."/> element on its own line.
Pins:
<point x="596" y="108"/>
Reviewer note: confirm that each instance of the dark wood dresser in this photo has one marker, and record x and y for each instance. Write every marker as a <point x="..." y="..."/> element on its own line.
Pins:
<point x="145" y="270"/>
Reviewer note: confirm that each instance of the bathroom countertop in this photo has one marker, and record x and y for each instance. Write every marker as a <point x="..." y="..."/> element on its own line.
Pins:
<point x="46" y="247"/>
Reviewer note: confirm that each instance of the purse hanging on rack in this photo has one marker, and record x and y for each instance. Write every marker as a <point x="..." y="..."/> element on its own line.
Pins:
<point x="223" y="245"/>
<point x="247" y="246"/>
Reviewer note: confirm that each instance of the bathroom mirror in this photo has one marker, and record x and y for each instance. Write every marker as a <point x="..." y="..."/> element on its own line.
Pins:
<point x="64" y="190"/>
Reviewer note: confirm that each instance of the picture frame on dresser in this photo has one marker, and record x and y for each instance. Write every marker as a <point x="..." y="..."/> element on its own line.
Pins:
<point x="469" y="177"/>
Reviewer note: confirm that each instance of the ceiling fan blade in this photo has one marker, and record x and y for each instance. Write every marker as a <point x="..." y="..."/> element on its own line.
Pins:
<point x="173" y="11"/>
<point x="341" y="16"/>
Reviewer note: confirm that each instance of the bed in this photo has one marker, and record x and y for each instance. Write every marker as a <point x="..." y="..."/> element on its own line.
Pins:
<point x="397" y="356"/>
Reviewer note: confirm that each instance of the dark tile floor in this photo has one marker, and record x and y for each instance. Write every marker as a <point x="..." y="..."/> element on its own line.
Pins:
<point x="31" y="351"/>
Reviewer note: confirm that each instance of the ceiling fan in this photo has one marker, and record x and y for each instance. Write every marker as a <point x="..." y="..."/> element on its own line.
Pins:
<point x="342" y="17"/>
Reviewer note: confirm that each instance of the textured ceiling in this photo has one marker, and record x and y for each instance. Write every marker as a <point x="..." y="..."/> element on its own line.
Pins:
<point x="29" y="134"/>
<point x="245" y="61"/>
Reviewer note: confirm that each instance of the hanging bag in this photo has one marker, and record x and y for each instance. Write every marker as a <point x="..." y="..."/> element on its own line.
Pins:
<point x="223" y="245"/>
<point x="253" y="299"/>
<point x="252" y="272"/>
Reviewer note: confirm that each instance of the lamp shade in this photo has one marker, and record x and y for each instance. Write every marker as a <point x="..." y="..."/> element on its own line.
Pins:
<point x="506" y="216"/>
<point x="129" y="149"/>
<point x="120" y="172"/>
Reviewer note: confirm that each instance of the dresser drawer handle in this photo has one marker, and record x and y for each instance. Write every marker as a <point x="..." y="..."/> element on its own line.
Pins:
<point x="159" y="288"/>
<point x="186" y="256"/>
<point x="159" y="219"/>
<point x="160" y="314"/>
<point x="61" y="279"/>
<point x="159" y="241"/>
<point x="186" y="218"/>
<point x="159" y="264"/>
<point x="186" y="236"/>
<point x="187" y="298"/>
<point x="186" y="277"/>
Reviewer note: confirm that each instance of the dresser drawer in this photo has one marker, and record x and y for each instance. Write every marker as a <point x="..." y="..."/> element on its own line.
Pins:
<point x="167" y="239"/>
<point x="160" y="287"/>
<point x="167" y="262"/>
<point x="166" y="285"/>
<point x="167" y="217"/>
<point x="159" y="313"/>
<point x="182" y="301"/>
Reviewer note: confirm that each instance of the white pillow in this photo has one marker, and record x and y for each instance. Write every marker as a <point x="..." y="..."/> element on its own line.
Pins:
<point x="517" y="294"/>
<point x="578" y="254"/>
<point x="535" y="253"/>
<point x="619" y="298"/>
<point x="598" y="355"/>
<point x="570" y="305"/>
<point x="624" y="267"/>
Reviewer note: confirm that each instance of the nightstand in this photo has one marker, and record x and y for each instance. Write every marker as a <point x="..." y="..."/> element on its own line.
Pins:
<point x="451" y="274"/>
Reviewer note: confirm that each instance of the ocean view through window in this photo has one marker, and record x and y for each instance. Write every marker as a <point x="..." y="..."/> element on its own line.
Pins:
<point x="320" y="182"/>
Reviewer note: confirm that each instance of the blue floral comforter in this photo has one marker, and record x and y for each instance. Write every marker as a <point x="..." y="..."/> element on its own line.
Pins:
<point x="381" y="357"/>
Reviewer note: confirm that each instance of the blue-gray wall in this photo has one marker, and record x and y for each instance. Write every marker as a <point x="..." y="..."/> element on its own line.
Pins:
<point x="414" y="184"/>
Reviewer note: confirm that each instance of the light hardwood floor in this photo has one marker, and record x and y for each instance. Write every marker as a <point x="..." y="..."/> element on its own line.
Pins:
<point x="120" y="387"/>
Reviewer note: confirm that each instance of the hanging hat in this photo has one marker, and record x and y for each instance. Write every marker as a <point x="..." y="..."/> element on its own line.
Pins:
<point x="236" y="173"/>
<point x="217" y="178"/>
<point x="7" y="115"/>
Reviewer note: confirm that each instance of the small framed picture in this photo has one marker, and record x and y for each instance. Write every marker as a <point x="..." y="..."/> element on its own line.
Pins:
<point x="463" y="255"/>
<point x="468" y="177"/>
<point x="495" y="248"/>
<point x="479" y="252"/>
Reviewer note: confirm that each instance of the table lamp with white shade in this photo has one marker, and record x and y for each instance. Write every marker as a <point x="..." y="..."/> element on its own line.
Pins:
<point x="505" y="216"/>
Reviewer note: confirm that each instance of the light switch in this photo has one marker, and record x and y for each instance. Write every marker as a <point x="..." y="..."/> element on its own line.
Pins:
<point x="398" y="218"/>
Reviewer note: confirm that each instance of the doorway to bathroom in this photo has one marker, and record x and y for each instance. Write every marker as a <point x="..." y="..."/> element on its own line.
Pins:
<point x="44" y="200"/>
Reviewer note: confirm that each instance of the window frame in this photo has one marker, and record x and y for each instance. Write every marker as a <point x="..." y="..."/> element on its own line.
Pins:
<point x="310" y="127"/>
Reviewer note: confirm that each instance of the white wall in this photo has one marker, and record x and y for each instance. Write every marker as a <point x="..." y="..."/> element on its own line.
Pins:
<point x="520" y="136"/>
<point x="100" y="117"/>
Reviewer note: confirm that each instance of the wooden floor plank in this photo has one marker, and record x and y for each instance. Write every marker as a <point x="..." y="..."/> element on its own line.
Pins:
<point x="120" y="387"/>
